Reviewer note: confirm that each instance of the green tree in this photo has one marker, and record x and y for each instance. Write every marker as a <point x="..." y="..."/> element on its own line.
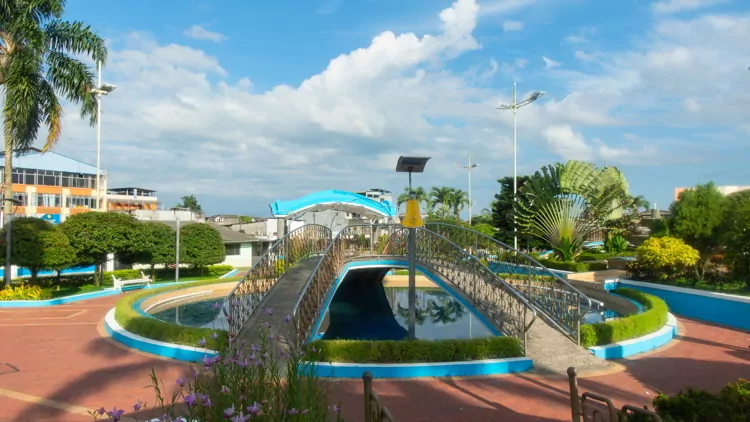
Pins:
<point x="484" y="228"/>
<point x="563" y="204"/>
<point x="244" y="219"/>
<point x="190" y="202"/>
<point x="201" y="245"/>
<point x="456" y="202"/>
<point x="697" y="217"/>
<point x="94" y="235"/>
<point x="38" y="245"/>
<point x="502" y="214"/>
<point x="38" y="62"/>
<point x="440" y="197"/>
<point x="157" y="246"/>
<point x="419" y="193"/>
<point x="736" y="235"/>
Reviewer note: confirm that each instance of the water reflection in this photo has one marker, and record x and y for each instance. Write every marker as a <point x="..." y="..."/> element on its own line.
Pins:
<point x="203" y="314"/>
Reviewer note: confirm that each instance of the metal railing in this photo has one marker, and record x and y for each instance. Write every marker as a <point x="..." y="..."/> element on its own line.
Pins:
<point x="299" y="244"/>
<point x="563" y="305"/>
<point x="374" y="410"/>
<point x="351" y="242"/>
<point x="590" y="406"/>
<point x="506" y="308"/>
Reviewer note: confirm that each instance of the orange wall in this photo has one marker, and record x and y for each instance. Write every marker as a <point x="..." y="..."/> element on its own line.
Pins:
<point x="49" y="189"/>
<point x="48" y="210"/>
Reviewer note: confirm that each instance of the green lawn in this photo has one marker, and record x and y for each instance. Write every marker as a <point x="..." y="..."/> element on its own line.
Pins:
<point x="88" y="288"/>
<point x="730" y="287"/>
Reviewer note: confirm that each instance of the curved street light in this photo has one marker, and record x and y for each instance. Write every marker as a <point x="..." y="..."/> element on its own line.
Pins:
<point x="515" y="106"/>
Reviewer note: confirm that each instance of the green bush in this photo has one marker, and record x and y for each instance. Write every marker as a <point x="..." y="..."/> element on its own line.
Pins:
<point x="664" y="258"/>
<point x="647" y="322"/>
<point x="731" y="404"/>
<point x="601" y="256"/>
<point x="406" y="351"/>
<point x="154" y="329"/>
<point x="576" y="267"/>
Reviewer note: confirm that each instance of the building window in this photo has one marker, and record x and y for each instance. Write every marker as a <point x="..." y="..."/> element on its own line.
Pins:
<point x="80" y="202"/>
<point x="23" y="197"/>
<point x="47" y="200"/>
<point x="233" y="249"/>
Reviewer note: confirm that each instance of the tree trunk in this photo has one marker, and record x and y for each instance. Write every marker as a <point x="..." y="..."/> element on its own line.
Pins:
<point x="57" y="279"/>
<point x="98" y="274"/>
<point x="7" y="186"/>
<point x="34" y="272"/>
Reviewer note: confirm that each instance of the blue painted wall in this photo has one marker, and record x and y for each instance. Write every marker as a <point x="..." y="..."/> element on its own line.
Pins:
<point x="700" y="305"/>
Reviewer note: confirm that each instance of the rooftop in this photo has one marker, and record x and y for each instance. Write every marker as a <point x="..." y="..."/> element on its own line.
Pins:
<point x="227" y="235"/>
<point x="131" y="188"/>
<point x="33" y="158"/>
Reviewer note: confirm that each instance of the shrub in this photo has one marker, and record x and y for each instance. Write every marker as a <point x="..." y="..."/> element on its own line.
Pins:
<point x="154" y="329"/>
<point x="24" y="292"/>
<point x="731" y="404"/>
<point x="601" y="256"/>
<point x="647" y="322"/>
<point x="576" y="267"/>
<point x="664" y="258"/>
<point x="406" y="351"/>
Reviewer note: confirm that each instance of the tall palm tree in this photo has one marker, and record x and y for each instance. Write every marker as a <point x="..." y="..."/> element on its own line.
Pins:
<point x="458" y="199"/>
<point x="441" y="197"/>
<point x="419" y="192"/>
<point x="37" y="64"/>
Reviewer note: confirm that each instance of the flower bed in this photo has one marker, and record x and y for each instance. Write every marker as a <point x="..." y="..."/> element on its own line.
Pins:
<point x="653" y="319"/>
<point x="137" y="323"/>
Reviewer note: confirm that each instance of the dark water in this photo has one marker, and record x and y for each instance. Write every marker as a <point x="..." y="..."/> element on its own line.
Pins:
<point x="439" y="316"/>
<point x="206" y="314"/>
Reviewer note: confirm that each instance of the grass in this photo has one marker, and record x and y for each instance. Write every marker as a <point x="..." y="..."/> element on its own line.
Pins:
<point x="405" y="272"/>
<point x="728" y="287"/>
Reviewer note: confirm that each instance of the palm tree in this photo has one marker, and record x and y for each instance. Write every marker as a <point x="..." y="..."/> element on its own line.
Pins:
<point x="458" y="199"/>
<point x="37" y="64"/>
<point x="418" y="192"/>
<point x="441" y="197"/>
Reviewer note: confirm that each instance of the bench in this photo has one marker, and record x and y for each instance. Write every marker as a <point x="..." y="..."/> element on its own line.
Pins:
<point x="120" y="284"/>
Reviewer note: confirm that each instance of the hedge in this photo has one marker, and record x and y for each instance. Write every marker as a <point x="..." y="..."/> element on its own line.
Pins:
<point x="161" y="273"/>
<point x="731" y="404"/>
<point x="155" y="329"/>
<point x="621" y="329"/>
<point x="600" y="256"/>
<point x="576" y="267"/>
<point x="408" y="351"/>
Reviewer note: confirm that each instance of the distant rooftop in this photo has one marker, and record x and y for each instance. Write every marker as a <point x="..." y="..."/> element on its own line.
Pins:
<point x="33" y="158"/>
<point x="130" y="189"/>
<point x="227" y="235"/>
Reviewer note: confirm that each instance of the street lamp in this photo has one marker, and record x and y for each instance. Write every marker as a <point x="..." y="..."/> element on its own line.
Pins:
<point x="469" y="167"/>
<point x="515" y="106"/>
<point x="8" y="225"/>
<point x="177" y="243"/>
<point x="100" y="90"/>
<point x="412" y="165"/>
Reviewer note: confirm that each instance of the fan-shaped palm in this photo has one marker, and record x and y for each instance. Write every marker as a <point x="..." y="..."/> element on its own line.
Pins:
<point x="37" y="64"/>
<point x="564" y="203"/>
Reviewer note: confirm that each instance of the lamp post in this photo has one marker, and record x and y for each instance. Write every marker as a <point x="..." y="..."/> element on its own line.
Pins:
<point x="515" y="106"/>
<point x="177" y="243"/>
<point x="469" y="167"/>
<point x="412" y="165"/>
<point x="8" y="223"/>
<point x="100" y="90"/>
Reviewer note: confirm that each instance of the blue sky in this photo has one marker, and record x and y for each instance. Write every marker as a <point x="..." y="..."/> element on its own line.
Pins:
<point x="242" y="103"/>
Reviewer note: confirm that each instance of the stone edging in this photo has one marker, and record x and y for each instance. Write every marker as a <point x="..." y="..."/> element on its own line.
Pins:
<point x="423" y="370"/>
<point x="638" y="345"/>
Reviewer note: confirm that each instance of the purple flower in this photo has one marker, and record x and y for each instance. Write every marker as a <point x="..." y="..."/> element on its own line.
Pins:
<point x="336" y="409"/>
<point x="206" y="400"/>
<point x="101" y="411"/>
<point x="224" y="389"/>
<point x="217" y="305"/>
<point x="269" y="311"/>
<point x="138" y="405"/>
<point x="255" y="409"/>
<point x="241" y="418"/>
<point x="228" y="412"/>
<point x="292" y="411"/>
<point x="190" y="400"/>
<point x="202" y="343"/>
<point x="115" y="414"/>
<point x="207" y="361"/>
<point x="287" y="318"/>
<point x="214" y="335"/>
<point x="180" y="381"/>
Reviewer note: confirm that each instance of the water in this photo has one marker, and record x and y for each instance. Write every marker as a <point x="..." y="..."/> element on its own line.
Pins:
<point x="439" y="316"/>
<point x="204" y="314"/>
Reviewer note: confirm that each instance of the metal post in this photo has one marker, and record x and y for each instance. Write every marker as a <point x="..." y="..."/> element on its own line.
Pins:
<point x="470" y="189"/>
<point x="177" y="254"/>
<point x="372" y="237"/>
<point x="8" y="267"/>
<point x="98" y="135"/>
<point x="411" y="253"/>
<point x="515" y="176"/>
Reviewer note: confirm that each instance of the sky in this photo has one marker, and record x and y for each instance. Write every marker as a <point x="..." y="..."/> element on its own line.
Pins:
<point x="242" y="103"/>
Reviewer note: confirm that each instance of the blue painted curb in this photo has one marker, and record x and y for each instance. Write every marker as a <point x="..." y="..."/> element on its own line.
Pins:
<point x="160" y="348"/>
<point x="59" y="300"/>
<point x="420" y="370"/>
<point x="638" y="345"/>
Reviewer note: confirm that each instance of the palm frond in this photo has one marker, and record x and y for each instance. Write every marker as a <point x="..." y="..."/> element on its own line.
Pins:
<point x="74" y="80"/>
<point x="21" y="113"/>
<point x="52" y="111"/>
<point x="76" y="38"/>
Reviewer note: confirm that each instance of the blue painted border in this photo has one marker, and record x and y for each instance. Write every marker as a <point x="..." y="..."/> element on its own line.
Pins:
<point x="718" y="308"/>
<point x="638" y="345"/>
<point x="396" y="263"/>
<point x="160" y="348"/>
<point x="59" y="300"/>
<point x="421" y="370"/>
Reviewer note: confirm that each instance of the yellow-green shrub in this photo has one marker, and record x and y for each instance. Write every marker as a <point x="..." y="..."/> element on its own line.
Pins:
<point x="24" y="292"/>
<point x="664" y="258"/>
<point x="621" y="329"/>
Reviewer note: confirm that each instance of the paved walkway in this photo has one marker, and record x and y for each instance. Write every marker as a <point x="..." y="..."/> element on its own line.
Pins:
<point x="66" y="367"/>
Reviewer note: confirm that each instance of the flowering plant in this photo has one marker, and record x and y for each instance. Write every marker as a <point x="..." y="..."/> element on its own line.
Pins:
<point x="266" y="380"/>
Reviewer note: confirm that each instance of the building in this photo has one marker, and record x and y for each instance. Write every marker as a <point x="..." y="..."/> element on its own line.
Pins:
<point x="725" y="190"/>
<point x="131" y="199"/>
<point x="52" y="184"/>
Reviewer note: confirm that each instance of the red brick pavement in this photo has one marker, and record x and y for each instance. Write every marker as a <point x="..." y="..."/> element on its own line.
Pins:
<point x="63" y="358"/>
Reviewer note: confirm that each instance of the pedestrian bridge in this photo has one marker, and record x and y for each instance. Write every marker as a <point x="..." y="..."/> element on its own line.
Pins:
<point x="515" y="295"/>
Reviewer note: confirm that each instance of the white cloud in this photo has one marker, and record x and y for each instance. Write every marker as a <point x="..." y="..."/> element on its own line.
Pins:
<point x="512" y="26"/>
<point x="676" y="6"/>
<point x="584" y="57"/>
<point x="549" y="63"/>
<point x="575" y="39"/>
<point x="500" y="7"/>
<point x="691" y="104"/>
<point x="568" y="144"/>
<point x="200" y="33"/>
<point x="521" y="62"/>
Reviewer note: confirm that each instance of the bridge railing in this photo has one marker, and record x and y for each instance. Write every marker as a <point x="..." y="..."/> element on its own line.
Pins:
<point x="299" y="244"/>
<point x="351" y="242"/>
<point x="510" y="311"/>
<point x="562" y="303"/>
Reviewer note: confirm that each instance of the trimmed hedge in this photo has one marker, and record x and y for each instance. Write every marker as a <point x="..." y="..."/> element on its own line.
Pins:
<point x="155" y="329"/>
<point x="600" y="256"/>
<point x="408" y="351"/>
<point x="576" y="267"/>
<point x="165" y="273"/>
<point x="647" y="322"/>
<point x="731" y="404"/>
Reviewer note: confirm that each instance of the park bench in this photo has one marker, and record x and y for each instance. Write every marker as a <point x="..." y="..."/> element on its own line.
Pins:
<point x="121" y="284"/>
